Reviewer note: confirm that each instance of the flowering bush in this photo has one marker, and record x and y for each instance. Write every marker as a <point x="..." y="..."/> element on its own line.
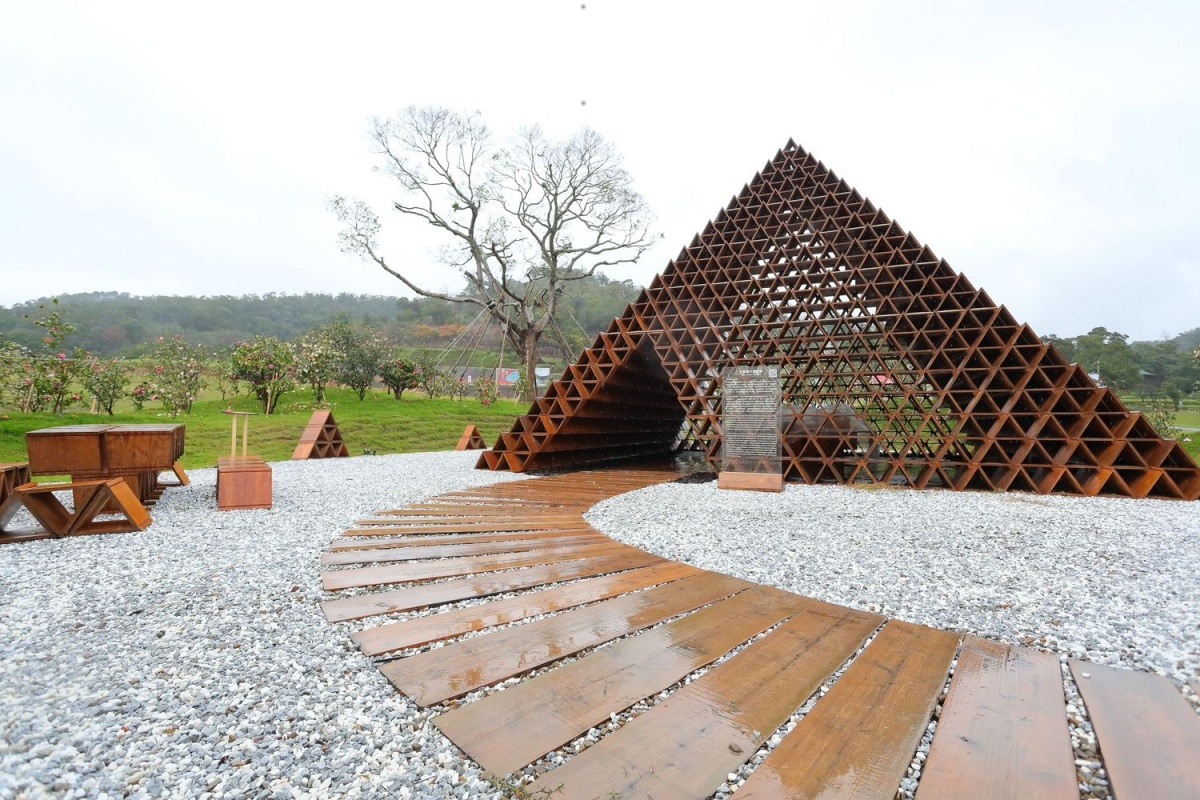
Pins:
<point x="319" y="356"/>
<point x="105" y="380"/>
<point x="177" y="374"/>
<point x="486" y="389"/>
<point x="267" y="364"/>
<point x="218" y="369"/>
<point x="362" y="351"/>
<point x="49" y="380"/>
<point x="398" y="375"/>
<point x="140" y="394"/>
<point x="445" y="385"/>
<point x="427" y="373"/>
<point x="13" y="386"/>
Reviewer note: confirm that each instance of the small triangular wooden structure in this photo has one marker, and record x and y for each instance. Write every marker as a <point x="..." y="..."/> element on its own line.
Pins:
<point x="111" y="497"/>
<point x="470" y="440"/>
<point x="895" y="369"/>
<point x="321" y="438"/>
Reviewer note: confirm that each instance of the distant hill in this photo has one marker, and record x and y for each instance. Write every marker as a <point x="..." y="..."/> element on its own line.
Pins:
<point x="116" y="323"/>
<point x="1188" y="340"/>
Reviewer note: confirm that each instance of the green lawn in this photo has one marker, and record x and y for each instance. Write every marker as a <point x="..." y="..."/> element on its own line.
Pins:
<point x="1189" y="439"/>
<point x="412" y="424"/>
<point x="1187" y="419"/>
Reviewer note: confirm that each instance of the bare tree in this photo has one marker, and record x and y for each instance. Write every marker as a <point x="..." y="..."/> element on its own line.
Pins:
<point x="523" y="222"/>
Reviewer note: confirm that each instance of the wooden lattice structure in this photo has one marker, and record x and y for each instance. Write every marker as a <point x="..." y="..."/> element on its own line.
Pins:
<point x="111" y="498"/>
<point x="321" y="438"/>
<point x="471" y="439"/>
<point x="895" y="368"/>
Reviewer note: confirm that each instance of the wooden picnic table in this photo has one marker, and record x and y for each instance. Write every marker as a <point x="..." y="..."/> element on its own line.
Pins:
<point x="135" y="453"/>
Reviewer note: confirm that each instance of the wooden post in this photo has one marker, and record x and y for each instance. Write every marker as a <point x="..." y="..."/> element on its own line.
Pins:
<point x="242" y="481"/>
<point x="233" y="431"/>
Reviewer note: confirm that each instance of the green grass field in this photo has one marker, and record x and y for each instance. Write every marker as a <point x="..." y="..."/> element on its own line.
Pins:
<point x="412" y="424"/>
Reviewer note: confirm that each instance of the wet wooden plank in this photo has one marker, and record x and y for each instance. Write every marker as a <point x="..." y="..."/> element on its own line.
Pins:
<point x="450" y="567"/>
<point x="569" y="700"/>
<point x="1003" y="732"/>
<point x="1149" y="736"/>
<point x="447" y="510"/>
<point x="415" y="526"/>
<point x="413" y="597"/>
<point x="686" y="745"/>
<point x="450" y="526"/>
<point x="369" y="543"/>
<point x="488" y="507"/>
<point x="436" y="517"/>
<point x="460" y="667"/>
<point x="432" y="628"/>
<point x="512" y="501"/>
<point x="858" y="740"/>
<point x="412" y="553"/>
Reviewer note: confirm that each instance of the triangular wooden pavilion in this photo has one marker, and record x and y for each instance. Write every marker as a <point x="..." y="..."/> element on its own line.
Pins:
<point x="895" y="368"/>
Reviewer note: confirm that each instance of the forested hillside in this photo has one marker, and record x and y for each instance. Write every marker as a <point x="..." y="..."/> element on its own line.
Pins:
<point x="111" y="323"/>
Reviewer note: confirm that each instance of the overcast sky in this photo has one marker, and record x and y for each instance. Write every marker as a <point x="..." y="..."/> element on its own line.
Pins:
<point x="1047" y="150"/>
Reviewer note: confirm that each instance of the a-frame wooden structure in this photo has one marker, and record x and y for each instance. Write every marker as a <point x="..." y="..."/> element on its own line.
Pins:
<point x="895" y="369"/>
<point x="321" y="438"/>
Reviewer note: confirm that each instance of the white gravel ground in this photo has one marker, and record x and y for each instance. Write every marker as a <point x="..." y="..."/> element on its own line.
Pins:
<point x="193" y="660"/>
<point x="1107" y="579"/>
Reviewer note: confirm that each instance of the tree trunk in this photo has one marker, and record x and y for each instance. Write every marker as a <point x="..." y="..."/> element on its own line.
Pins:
<point x="531" y="360"/>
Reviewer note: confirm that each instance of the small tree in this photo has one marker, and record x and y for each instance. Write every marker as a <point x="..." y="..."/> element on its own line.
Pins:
<point x="486" y="389"/>
<point x="1162" y="418"/>
<point x="362" y="350"/>
<point x="178" y="373"/>
<point x="105" y="380"/>
<point x="427" y="372"/>
<point x="51" y="377"/>
<point x="444" y="385"/>
<point x="398" y="374"/>
<point x="265" y="363"/>
<point x="13" y="358"/>
<point x="218" y="368"/>
<point x="141" y="393"/>
<point x="319" y="357"/>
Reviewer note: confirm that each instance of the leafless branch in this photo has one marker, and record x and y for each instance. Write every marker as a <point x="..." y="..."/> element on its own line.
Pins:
<point x="523" y="222"/>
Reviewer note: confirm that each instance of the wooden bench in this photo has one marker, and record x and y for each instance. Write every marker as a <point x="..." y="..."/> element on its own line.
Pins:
<point x="13" y="475"/>
<point x="109" y="497"/>
<point x="243" y="481"/>
<point x="137" y="453"/>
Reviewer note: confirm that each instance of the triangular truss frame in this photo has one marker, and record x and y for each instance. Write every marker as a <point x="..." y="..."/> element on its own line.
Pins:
<point x="471" y="439"/>
<point x="321" y="438"/>
<point x="896" y="369"/>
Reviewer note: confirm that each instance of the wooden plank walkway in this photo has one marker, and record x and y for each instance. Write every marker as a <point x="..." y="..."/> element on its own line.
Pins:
<point x="511" y="586"/>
